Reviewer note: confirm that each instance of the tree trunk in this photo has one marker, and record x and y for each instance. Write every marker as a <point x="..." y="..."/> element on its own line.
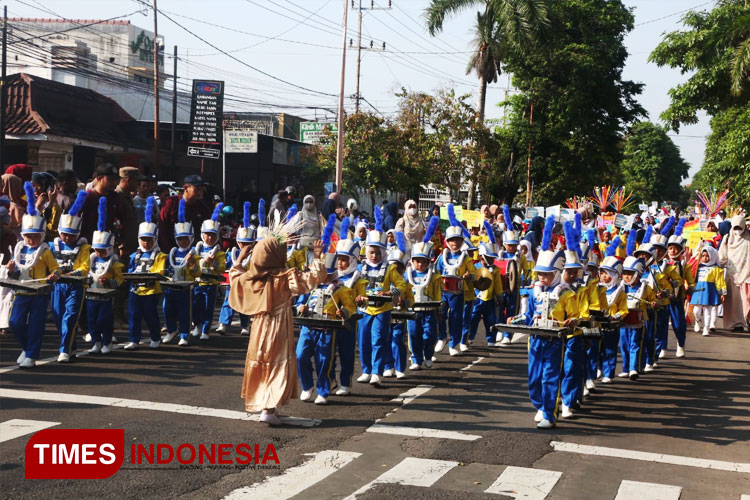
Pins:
<point x="482" y="98"/>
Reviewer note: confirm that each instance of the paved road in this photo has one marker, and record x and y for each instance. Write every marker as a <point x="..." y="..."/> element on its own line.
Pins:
<point x="463" y="429"/>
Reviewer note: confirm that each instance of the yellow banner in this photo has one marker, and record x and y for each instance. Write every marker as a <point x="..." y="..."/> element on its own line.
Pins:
<point x="694" y="238"/>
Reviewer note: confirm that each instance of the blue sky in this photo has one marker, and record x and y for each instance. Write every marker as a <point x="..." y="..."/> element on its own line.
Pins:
<point x="299" y="42"/>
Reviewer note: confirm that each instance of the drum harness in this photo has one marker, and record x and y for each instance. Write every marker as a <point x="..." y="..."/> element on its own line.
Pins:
<point x="29" y="260"/>
<point x="178" y="269"/>
<point x="419" y="288"/>
<point x="100" y="268"/>
<point x="452" y="269"/>
<point x="66" y="259"/>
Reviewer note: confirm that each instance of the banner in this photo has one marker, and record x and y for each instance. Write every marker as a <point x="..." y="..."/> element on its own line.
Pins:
<point x="206" y="110"/>
<point x="694" y="238"/>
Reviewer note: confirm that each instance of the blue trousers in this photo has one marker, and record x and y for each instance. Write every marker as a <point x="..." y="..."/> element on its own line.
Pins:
<point x="143" y="308"/>
<point x="345" y="345"/>
<point x="178" y="308"/>
<point x="67" y="304"/>
<point x="508" y="308"/>
<point x="485" y="311"/>
<point x="317" y="344"/>
<point x="397" y="359"/>
<point x="648" y="356"/>
<point x="610" y="341"/>
<point x="27" y="317"/>
<point x="662" y="328"/>
<point x="453" y="315"/>
<point x="227" y="313"/>
<point x="204" y="300"/>
<point x="679" y="323"/>
<point x="101" y="316"/>
<point x="422" y="336"/>
<point x="373" y="342"/>
<point x="466" y="321"/>
<point x="631" y="345"/>
<point x="545" y="364"/>
<point x="592" y="358"/>
<point x="573" y="364"/>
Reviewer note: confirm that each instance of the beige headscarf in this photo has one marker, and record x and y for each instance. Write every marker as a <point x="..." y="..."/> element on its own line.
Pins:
<point x="12" y="187"/>
<point x="734" y="252"/>
<point x="412" y="226"/>
<point x="253" y="291"/>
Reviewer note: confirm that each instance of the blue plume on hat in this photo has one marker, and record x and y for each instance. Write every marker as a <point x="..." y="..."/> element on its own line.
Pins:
<point x="291" y="212"/>
<point x="591" y="237"/>
<point x="150" y="203"/>
<point x="328" y="231"/>
<point x="217" y="212"/>
<point x="431" y="228"/>
<point x="344" y="229"/>
<point x="508" y="220"/>
<point x="78" y="204"/>
<point x="549" y="225"/>
<point x="668" y="226"/>
<point x="577" y="243"/>
<point x="30" y="198"/>
<point x="378" y="219"/>
<point x="262" y="212"/>
<point x="452" y="215"/>
<point x="578" y="222"/>
<point x="632" y="240"/>
<point x="181" y="211"/>
<point x="649" y="232"/>
<point x="401" y="241"/>
<point x="246" y="214"/>
<point x="612" y="248"/>
<point x="490" y="232"/>
<point x="101" y="225"/>
<point x="680" y="225"/>
<point x="570" y="235"/>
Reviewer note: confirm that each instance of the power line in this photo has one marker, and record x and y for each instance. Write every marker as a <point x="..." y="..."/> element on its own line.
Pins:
<point x="673" y="14"/>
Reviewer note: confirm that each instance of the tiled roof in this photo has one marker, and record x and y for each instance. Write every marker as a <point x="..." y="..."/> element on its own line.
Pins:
<point x="39" y="106"/>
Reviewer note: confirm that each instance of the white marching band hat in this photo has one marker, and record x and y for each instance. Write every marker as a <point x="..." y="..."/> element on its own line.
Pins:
<point x="32" y="221"/>
<point x="148" y="229"/>
<point x="70" y="223"/>
<point x="102" y="239"/>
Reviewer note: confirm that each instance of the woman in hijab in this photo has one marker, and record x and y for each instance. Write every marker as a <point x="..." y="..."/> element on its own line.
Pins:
<point x="391" y="216"/>
<point x="264" y="290"/>
<point x="310" y="218"/>
<point x="534" y="233"/>
<point x="12" y="187"/>
<point x="411" y="224"/>
<point x="734" y="255"/>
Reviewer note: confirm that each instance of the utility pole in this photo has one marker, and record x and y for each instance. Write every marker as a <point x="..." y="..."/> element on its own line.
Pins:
<point x="359" y="56"/>
<point x="3" y="91"/>
<point x="340" y="138"/>
<point x="156" y="166"/>
<point x="528" y="163"/>
<point x="173" y="166"/>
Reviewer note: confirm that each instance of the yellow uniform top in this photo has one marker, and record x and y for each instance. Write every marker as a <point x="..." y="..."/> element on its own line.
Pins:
<point x="43" y="267"/>
<point x="159" y="266"/>
<point x="82" y="264"/>
<point x="688" y="279"/>
<point x="647" y="297"/>
<point x="392" y="277"/>
<point x="663" y="283"/>
<point x="566" y="307"/>
<point x="594" y="295"/>
<point x="619" y="306"/>
<point x="496" y="288"/>
<point x="113" y="275"/>
<point x="344" y="298"/>
<point x="218" y="266"/>
<point x="433" y="290"/>
<point x="297" y="260"/>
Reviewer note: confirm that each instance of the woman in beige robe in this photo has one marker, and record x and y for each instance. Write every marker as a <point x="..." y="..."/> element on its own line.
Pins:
<point x="264" y="290"/>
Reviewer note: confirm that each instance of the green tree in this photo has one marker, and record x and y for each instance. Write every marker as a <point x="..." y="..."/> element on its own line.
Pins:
<point x="581" y="104"/>
<point x="652" y="167"/>
<point x="715" y="50"/>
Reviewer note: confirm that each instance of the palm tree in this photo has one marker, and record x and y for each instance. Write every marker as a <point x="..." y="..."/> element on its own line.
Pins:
<point x="504" y="26"/>
<point x="740" y="34"/>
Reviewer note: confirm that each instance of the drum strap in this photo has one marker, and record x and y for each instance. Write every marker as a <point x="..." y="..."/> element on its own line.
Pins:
<point x="29" y="259"/>
<point x="179" y="269"/>
<point x="419" y="288"/>
<point x="613" y="296"/>
<point x="351" y="280"/>
<point x="452" y="269"/>
<point x="97" y="271"/>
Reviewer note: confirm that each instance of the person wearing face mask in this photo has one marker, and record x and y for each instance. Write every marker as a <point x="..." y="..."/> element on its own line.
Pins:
<point x="310" y="219"/>
<point x="734" y="254"/>
<point x="411" y="224"/>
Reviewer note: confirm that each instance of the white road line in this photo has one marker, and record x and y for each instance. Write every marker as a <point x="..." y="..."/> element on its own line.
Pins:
<point x="17" y="427"/>
<point x="147" y="405"/>
<point x="478" y="360"/>
<point x="529" y="484"/>
<point x="411" y="472"/>
<point x="651" y="457"/>
<point x="412" y="394"/>
<point x="297" y="479"/>
<point x="633" y="490"/>
<point x="421" y="432"/>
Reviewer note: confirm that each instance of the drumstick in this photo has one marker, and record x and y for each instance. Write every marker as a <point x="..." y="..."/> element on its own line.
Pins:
<point x="34" y="281"/>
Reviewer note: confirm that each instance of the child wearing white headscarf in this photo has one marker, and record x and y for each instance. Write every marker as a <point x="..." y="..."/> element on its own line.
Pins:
<point x="710" y="290"/>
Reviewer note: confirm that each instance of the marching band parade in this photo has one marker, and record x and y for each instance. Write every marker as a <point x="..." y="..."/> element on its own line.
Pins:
<point x="581" y="283"/>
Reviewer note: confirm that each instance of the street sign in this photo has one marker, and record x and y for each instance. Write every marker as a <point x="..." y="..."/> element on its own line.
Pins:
<point x="312" y="132"/>
<point x="241" y="141"/>
<point x="206" y="110"/>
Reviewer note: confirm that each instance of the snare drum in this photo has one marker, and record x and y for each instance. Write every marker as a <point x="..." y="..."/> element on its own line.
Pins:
<point x="509" y="273"/>
<point x="634" y="319"/>
<point x="453" y="284"/>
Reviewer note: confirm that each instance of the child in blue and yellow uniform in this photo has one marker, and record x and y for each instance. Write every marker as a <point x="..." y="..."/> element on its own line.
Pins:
<point x="710" y="290"/>
<point x="183" y="264"/>
<point x="331" y="299"/>
<point x="673" y="281"/>
<point x="486" y="304"/>
<point x="144" y="297"/>
<point x="455" y="266"/>
<point x="615" y="305"/>
<point x="73" y="255"/>
<point x="426" y="286"/>
<point x="374" y="327"/>
<point x="512" y="297"/>
<point x="571" y="387"/>
<point x="676" y="259"/>
<point x="32" y="260"/>
<point x="396" y="359"/>
<point x="212" y="261"/>
<point x="105" y="272"/>
<point x="470" y="292"/>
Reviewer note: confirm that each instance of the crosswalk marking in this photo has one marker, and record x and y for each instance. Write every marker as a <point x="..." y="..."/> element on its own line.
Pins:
<point x="296" y="479"/>
<point x="11" y="429"/>
<point x="411" y="472"/>
<point x="422" y="432"/>
<point x="651" y="457"/>
<point x="407" y="397"/>
<point x="521" y="482"/>
<point x="147" y="405"/>
<point x="634" y="490"/>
